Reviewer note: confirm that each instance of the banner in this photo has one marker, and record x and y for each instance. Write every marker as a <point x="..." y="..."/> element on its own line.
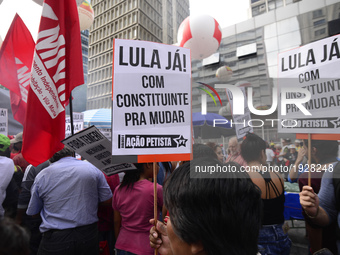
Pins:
<point x="78" y="123"/>
<point x="310" y="79"/>
<point x="151" y="96"/>
<point x="240" y="120"/>
<point x="93" y="146"/>
<point x="3" y="121"/>
<point x="16" y="56"/>
<point x="57" y="69"/>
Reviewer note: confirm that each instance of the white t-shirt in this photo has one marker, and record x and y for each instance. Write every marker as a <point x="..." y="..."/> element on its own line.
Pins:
<point x="270" y="155"/>
<point x="6" y="174"/>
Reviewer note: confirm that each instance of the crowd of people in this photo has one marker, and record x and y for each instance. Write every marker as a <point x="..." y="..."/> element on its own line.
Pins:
<point x="68" y="206"/>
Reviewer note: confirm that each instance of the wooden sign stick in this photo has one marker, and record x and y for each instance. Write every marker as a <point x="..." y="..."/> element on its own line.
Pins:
<point x="155" y="197"/>
<point x="309" y="159"/>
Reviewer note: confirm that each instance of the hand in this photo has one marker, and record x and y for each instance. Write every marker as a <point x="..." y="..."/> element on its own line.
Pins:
<point x="159" y="238"/>
<point x="309" y="201"/>
<point x="301" y="154"/>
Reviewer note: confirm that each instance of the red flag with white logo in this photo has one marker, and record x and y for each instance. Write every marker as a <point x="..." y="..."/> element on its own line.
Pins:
<point x="57" y="69"/>
<point x="16" y="56"/>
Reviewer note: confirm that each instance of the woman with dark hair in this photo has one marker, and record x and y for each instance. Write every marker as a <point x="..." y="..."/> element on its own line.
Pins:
<point x="272" y="239"/>
<point x="209" y="216"/>
<point x="133" y="207"/>
<point x="14" y="240"/>
<point x="217" y="149"/>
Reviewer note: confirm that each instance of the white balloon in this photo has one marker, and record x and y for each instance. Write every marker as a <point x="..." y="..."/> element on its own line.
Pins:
<point x="201" y="34"/>
<point x="224" y="73"/>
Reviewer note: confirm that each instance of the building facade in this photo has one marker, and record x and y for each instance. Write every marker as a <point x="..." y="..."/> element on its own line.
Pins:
<point x="251" y="49"/>
<point x="80" y="92"/>
<point x="259" y="7"/>
<point x="147" y="20"/>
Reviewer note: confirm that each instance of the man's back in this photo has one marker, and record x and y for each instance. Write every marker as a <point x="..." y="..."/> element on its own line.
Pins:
<point x="67" y="193"/>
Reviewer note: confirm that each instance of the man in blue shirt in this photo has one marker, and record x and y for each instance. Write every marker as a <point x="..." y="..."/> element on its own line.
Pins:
<point x="67" y="194"/>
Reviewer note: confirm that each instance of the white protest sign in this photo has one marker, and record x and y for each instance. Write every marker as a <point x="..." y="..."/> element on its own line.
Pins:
<point x="3" y="121"/>
<point x="92" y="145"/>
<point x="78" y="123"/>
<point x="314" y="68"/>
<point x="240" y="121"/>
<point x="106" y="132"/>
<point x="151" y="102"/>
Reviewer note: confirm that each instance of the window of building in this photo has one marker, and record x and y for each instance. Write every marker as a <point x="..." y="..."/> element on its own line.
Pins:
<point x="320" y="32"/>
<point x="319" y="22"/>
<point x="317" y="14"/>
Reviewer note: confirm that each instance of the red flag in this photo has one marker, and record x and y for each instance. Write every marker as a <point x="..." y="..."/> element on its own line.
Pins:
<point x="57" y="69"/>
<point x="16" y="56"/>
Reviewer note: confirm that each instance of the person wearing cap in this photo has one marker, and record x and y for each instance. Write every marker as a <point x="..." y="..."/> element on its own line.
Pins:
<point x="285" y="144"/>
<point x="6" y="170"/>
<point x="297" y="144"/>
<point x="16" y="144"/>
<point x="19" y="159"/>
<point x="291" y="156"/>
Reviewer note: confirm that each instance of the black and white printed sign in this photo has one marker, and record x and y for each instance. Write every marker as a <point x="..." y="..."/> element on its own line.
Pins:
<point x="151" y="101"/>
<point x="3" y="121"/>
<point x="93" y="146"/>
<point x="241" y="127"/>
<point x="78" y="123"/>
<point x="313" y="68"/>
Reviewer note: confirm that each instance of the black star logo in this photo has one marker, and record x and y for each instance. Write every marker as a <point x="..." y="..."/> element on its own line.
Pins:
<point x="181" y="141"/>
<point x="336" y="122"/>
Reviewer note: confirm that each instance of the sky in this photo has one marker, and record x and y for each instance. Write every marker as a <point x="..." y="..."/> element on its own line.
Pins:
<point x="226" y="12"/>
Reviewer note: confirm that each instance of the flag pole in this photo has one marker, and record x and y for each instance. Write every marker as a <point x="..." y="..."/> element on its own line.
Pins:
<point x="71" y="113"/>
